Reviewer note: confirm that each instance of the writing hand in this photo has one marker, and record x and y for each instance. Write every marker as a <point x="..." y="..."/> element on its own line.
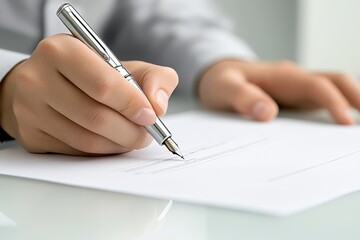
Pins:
<point x="66" y="99"/>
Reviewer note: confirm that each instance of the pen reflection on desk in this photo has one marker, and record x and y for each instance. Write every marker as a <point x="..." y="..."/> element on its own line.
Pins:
<point x="81" y="30"/>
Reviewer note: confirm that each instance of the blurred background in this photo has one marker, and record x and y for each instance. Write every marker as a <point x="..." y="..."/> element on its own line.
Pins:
<point x="321" y="34"/>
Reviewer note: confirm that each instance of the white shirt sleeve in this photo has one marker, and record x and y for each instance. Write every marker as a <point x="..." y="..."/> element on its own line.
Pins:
<point x="8" y="60"/>
<point x="187" y="35"/>
<point x="184" y="34"/>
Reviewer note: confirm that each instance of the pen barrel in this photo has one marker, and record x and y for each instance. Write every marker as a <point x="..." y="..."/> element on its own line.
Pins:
<point x="158" y="130"/>
<point x="81" y="30"/>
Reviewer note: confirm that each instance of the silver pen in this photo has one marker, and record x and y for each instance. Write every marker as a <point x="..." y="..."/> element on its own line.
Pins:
<point x="81" y="30"/>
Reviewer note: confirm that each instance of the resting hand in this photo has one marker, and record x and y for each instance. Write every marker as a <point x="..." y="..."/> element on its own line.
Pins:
<point x="66" y="99"/>
<point x="257" y="88"/>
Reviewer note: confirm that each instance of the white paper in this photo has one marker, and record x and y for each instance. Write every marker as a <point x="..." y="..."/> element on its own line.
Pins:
<point x="277" y="168"/>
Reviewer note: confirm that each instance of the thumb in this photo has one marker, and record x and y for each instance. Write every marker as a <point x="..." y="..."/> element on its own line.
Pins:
<point x="157" y="82"/>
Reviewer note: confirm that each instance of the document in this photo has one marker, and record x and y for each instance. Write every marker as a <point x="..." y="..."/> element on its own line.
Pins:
<point x="278" y="168"/>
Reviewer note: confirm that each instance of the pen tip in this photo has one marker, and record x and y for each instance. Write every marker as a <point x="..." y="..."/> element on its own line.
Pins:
<point x="173" y="147"/>
<point x="180" y="155"/>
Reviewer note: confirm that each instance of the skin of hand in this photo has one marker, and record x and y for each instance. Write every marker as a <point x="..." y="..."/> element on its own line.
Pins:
<point x="66" y="99"/>
<point x="257" y="89"/>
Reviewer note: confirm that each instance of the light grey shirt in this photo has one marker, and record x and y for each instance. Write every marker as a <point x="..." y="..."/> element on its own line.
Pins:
<point x="188" y="35"/>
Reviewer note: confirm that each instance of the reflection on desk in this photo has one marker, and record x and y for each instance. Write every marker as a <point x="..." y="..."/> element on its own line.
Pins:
<point x="8" y="230"/>
<point x="49" y="211"/>
<point x="43" y="210"/>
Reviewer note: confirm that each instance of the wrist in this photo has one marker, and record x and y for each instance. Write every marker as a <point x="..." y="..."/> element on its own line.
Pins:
<point x="7" y="119"/>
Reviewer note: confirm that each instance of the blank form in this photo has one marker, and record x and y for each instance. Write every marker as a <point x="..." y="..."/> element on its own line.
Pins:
<point x="278" y="168"/>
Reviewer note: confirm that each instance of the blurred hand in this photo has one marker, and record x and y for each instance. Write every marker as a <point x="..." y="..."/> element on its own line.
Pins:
<point x="66" y="99"/>
<point x="257" y="88"/>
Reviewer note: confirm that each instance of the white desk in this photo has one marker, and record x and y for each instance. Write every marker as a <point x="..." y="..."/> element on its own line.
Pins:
<point x="40" y="210"/>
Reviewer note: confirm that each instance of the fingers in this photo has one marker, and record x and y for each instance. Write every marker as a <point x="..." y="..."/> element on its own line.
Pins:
<point x="157" y="82"/>
<point x="96" y="78"/>
<point x="61" y="128"/>
<point x="68" y="97"/>
<point x="252" y="88"/>
<point x="327" y="95"/>
<point x="292" y="86"/>
<point x="41" y="141"/>
<point x="232" y="91"/>
<point x="251" y="100"/>
<point x="94" y="116"/>
<point x="71" y="138"/>
<point x="347" y="86"/>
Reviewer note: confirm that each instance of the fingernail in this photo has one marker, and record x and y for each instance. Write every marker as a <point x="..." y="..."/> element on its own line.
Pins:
<point x="146" y="116"/>
<point x="349" y="116"/>
<point x="261" y="111"/>
<point x="162" y="99"/>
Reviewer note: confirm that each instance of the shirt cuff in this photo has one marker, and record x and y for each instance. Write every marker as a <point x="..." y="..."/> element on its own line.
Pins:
<point x="8" y="60"/>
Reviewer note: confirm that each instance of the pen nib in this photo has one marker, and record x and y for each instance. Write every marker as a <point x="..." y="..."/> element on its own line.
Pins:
<point x="173" y="147"/>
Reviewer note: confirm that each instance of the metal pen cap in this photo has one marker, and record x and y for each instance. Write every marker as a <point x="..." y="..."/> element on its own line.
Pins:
<point x="81" y="30"/>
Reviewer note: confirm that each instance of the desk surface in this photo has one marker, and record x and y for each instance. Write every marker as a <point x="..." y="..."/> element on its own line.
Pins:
<point x="39" y="210"/>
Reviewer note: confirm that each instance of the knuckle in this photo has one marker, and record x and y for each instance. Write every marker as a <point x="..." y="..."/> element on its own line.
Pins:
<point x="164" y="74"/>
<point x="343" y="77"/>
<point x="286" y="64"/>
<point x="316" y="85"/>
<point x="97" y="119"/>
<point x="103" y="88"/>
<point x="129" y="104"/>
<point x="241" y="88"/>
<point x="25" y="78"/>
<point x="229" y="73"/>
<point x="58" y="48"/>
<point x="50" y="48"/>
<point x="319" y="82"/>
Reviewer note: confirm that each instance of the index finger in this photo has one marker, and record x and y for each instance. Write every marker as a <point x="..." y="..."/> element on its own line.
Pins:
<point x="86" y="70"/>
